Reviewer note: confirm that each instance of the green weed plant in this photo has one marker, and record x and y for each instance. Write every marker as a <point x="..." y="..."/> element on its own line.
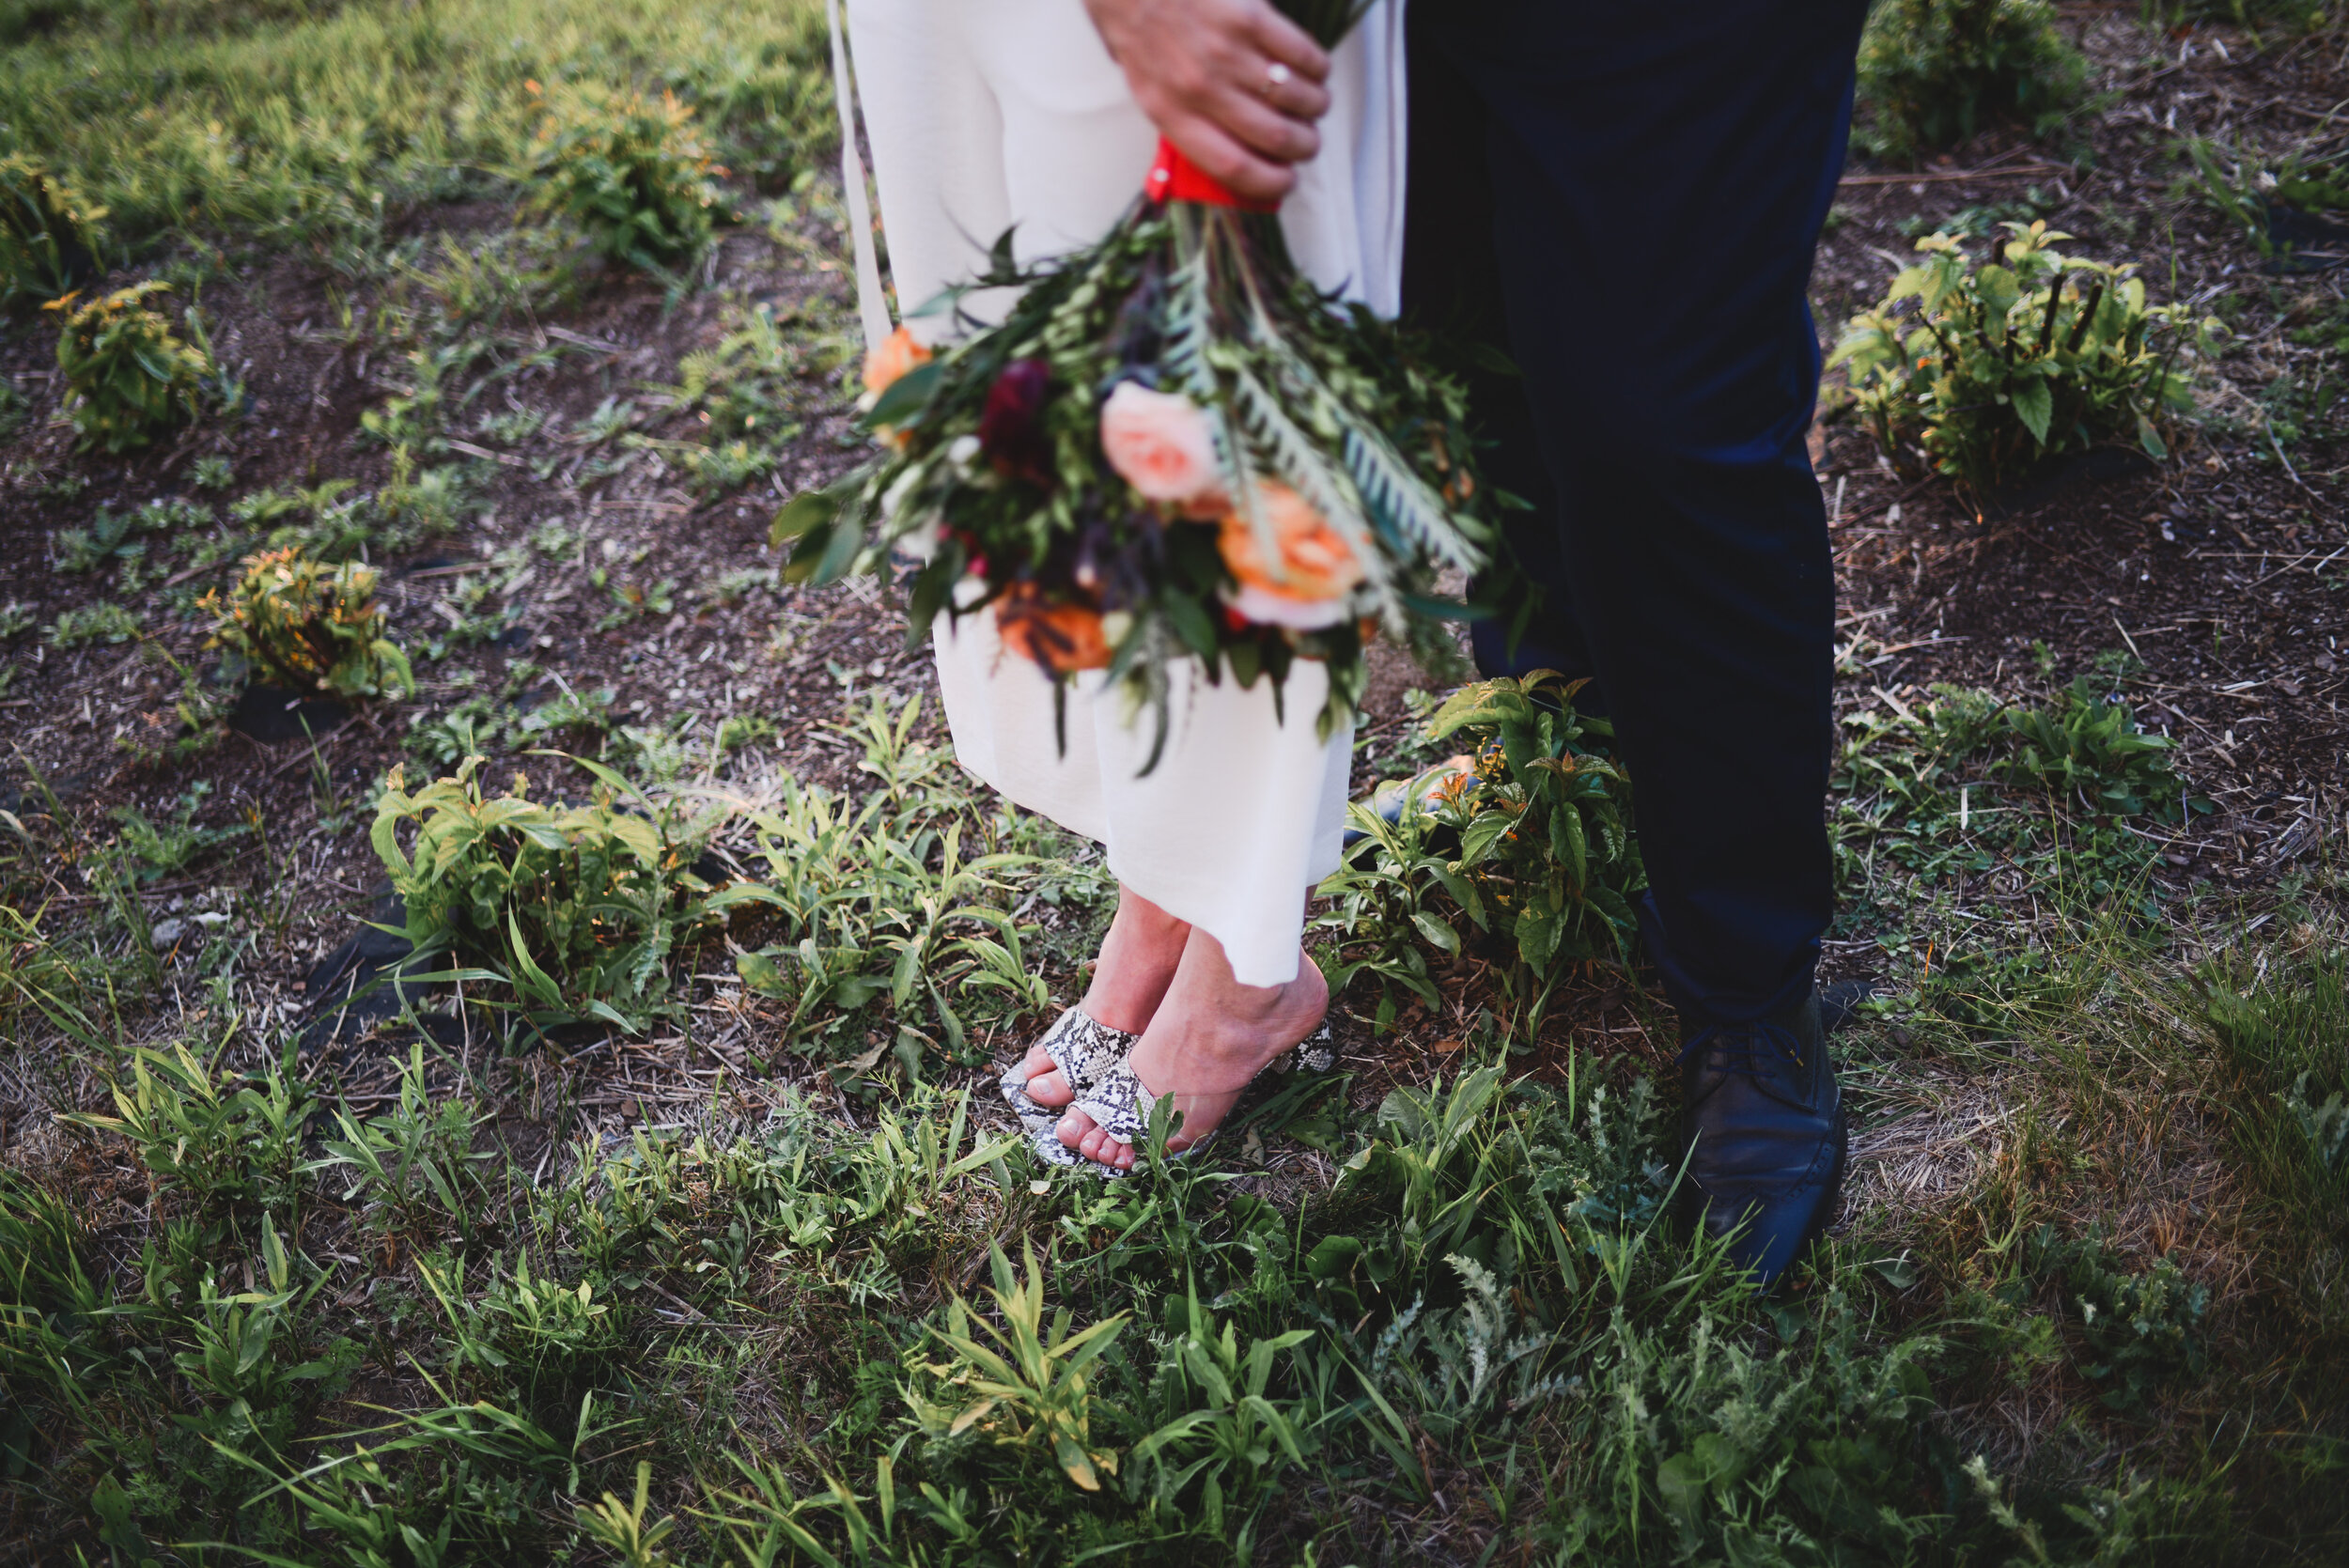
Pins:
<point x="632" y="174"/>
<point x="1932" y="73"/>
<point x="48" y="235"/>
<point x="92" y="625"/>
<point x="302" y="626"/>
<point x="1529" y="859"/>
<point x="129" y="377"/>
<point x="879" y="901"/>
<point x="2003" y="365"/>
<point x="570" y="912"/>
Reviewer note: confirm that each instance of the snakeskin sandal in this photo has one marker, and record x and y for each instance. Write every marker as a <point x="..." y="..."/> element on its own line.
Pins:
<point x="1121" y="1107"/>
<point x="1083" y="1049"/>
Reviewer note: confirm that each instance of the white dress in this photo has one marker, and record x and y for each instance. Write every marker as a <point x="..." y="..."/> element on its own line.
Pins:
<point x="986" y="112"/>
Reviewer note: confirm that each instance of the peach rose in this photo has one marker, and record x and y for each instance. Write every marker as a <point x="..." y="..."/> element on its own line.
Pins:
<point x="1306" y="588"/>
<point x="1161" y="445"/>
<point x="887" y="361"/>
<point x="1062" y="638"/>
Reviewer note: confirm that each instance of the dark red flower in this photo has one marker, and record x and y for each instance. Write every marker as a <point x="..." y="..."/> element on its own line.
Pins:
<point x="1011" y="426"/>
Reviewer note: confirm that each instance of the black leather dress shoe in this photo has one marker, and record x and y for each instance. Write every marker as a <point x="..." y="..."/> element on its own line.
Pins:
<point x="1760" y="1104"/>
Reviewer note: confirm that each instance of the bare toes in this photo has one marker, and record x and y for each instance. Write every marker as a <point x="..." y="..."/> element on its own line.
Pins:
<point x="1074" y="1129"/>
<point x="1050" y="1088"/>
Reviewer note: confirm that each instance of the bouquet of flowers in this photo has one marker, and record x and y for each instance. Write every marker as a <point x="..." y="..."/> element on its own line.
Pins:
<point x="1173" y="444"/>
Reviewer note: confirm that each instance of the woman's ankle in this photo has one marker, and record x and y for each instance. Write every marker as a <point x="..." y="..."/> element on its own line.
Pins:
<point x="1137" y="963"/>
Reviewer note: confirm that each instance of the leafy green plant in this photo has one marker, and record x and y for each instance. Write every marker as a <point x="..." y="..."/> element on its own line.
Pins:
<point x="446" y="739"/>
<point x="214" y="1135"/>
<point x="2094" y="750"/>
<point x="1932" y="73"/>
<point x="2266" y="198"/>
<point x="631" y="173"/>
<point x="1532" y="854"/>
<point x="1026" y="1389"/>
<point x="414" y="1166"/>
<point x="1231" y="1435"/>
<point x="1730" y="1453"/>
<point x="880" y="900"/>
<point x="541" y="1333"/>
<point x="2001" y="367"/>
<point x="746" y="387"/>
<point x="236" y="1364"/>
<point x="2141" y="1328"/>
<point x="106" y="540"/>
<point x="48" y="235"/>
<point x="161" y="849"/>
<point x="572" y="910"/>
<point x="297" y="624"/>
<point x="1458" y="1368"/>
<point x="102" y="622"/>
<point x="128" y="376"/>
<point x="570" y="715"/>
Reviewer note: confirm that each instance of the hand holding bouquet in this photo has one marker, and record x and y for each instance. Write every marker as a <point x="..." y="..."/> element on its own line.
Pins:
<point x="1174" y="445"/>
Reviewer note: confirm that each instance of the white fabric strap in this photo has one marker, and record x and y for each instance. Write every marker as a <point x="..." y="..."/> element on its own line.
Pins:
<point x="871" y="303"/>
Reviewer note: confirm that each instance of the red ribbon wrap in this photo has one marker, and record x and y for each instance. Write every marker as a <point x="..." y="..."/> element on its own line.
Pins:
<point x="1176" y="178"/>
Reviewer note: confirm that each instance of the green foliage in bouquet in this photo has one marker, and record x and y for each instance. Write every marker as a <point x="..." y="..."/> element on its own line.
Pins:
<point x="1932" y="73"/>
<point x="572" y="909"/>
<point x="1532" y="854"/>
<point x="128" y="376"/>
<point x="2001" y="367"/>
<point x="1173" y="446"/>
<point x="48" y="236"/>
<point x="299" y="623"/>
<point x="632" y="174"/>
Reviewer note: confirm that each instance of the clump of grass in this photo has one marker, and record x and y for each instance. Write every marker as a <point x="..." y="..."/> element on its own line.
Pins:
<point x="572" y="911"/>
<point x="2284" y="1034"/>
<point x="104" y="622"/>
<point x="1932" y="73"/>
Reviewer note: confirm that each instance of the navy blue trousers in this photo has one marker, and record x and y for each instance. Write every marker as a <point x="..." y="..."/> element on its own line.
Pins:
<point x="1627" y="198"/>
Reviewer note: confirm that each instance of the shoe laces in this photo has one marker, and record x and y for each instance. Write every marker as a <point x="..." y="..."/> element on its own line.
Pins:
<point x="1753" y="1048"/>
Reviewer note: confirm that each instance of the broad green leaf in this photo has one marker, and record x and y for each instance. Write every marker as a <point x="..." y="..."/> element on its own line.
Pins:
<point x="2034" y="404"/>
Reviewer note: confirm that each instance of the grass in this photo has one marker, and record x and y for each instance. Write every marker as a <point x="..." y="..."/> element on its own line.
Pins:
<point x="258" y="1312"/>
<point x="311" y="125"/>
<point x="676" y="1223"/>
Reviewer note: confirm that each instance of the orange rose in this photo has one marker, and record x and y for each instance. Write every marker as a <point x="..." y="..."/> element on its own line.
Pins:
<point x="1316" y="568"/>
<point x="887" y="361"/>
<point x="1062" y="638"/>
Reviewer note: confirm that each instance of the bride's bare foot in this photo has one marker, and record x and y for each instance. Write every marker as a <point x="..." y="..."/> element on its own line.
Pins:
<point x="1210" y="1037"/>
<point x="1139" y="957"/>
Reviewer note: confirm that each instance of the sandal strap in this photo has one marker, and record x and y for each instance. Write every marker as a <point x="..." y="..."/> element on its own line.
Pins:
<point x="1080" y="1047"/>
<point x="1118" y="1104"/>
<point x="1316" y="1054"/>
